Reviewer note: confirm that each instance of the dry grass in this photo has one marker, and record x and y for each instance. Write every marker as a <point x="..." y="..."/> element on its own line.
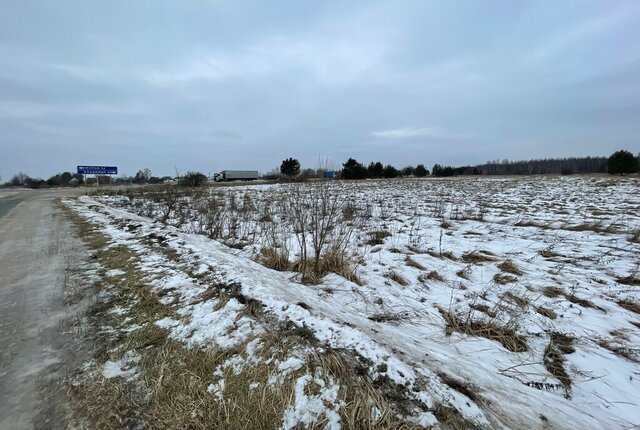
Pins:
<point x="435" y="276"/>
<point x="559" y="344"/>
<point x="507" y="337"/>
<point x="377" y="237"/>
<point x="476" y="257"/>
<point x="629" y="305"/>
<point x="552" y="292"/>
<point x="484" y="309"/>
<point x="171" y="389"/>
<point x="628" y="353"/>
<point x="546" y="312"/>
<point x="582" y="302"/>
<point x="628" y="280"/>
<point x="413" y="263"/>
<point x="464" y="273"/>
<point x="502" y="279"/>
<point x="397" y="278"/>
<point x="275" y="259"/>
<point x="522" y="302"/>
<point x="447" y="254"/>
<point x="548" y="253"/>
<point x="509" y="266"/>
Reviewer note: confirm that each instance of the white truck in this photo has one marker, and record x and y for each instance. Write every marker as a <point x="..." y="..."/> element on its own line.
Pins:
<point x="236" y="175"/>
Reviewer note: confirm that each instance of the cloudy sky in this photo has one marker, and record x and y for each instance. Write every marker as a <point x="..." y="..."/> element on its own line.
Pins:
<point x="208" y="85"/>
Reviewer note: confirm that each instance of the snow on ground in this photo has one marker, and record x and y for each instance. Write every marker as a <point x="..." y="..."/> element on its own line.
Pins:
<point x="566" y="296"/>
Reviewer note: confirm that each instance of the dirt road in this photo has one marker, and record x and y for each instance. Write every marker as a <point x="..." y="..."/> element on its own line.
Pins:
<point x="37" y="251"/>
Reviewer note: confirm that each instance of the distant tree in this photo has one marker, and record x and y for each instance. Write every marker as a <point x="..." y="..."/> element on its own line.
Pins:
<point x="155" y="180"/>
<point x="420" y="171"/>
<point x="272" y="175"/>
<point x="35" y="183"/>
<point x="353" y="170"/>
<point x="408" y="171"/>
<point x="54" y="181"/>
<point x="65" y="178"/>
<point x="142" y="176"/>
<point x="308" y="173"/>
<point x="622" y="162"/>
<point x="290" y="167"/>
<point x="441" y="171"/>
<point x="193" y="179"/>
<point x="375" y="170"/>
<point x="390" y="171"/>
<point x="20" y="179"/>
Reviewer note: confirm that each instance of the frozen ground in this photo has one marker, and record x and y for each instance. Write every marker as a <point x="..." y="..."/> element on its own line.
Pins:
<point x="41" y="258"/>
<point x="513" y="301"/>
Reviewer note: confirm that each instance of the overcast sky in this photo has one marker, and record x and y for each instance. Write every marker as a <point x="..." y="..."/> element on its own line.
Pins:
<point x="203" y="85"/>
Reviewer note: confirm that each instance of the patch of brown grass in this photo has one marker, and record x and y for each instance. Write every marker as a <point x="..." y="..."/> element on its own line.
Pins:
<point x="274" y="259"/>
<point x="518" y="300"/>
<point x="397" y="278"/>
<point x="435" y="276"/>
<point x="622" y="351"/>
<point x="484" y="309"/>
<point x="546" y="312"/>
<point x="413" y="263"/>
<point x="628" y="280"/>
<point x="507" y="337"/>
<point x="502" y="279"/>
<point x="552" y="292"/>
<point x="629" y="305"/>
<point x="559" y="344"/>
<point x="479" y="256"/>
<point x="582" y="302"/>
<point x="510" y="267"/>
<point x="377" y="237"/>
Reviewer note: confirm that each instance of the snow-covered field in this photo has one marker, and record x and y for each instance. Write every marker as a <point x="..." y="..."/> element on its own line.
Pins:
<point x="512" y="301"/>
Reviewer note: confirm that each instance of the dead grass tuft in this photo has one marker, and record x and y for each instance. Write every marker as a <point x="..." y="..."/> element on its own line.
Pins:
<point x="397" y="278"/>
<point x="465" y="388"/>
<point x="484" y="309"/>
<point x="546" y="312"/>
<point x="377" y="237"/>
<point x="476" y="257"/>
<point x="582" y="302"/>
<point x="510" y="267"/>
<point x="619" y="350"/>
<point x="413" y="263"/>
<point x="435" y="276"/>
<point x="450" y="418"/>
<point x="628" y="280"/>
<point x="559" y="344"/>
<point x="502" y="279"/>
<point x="629" y="305"/>
<point x="490" y="330"/>
<point x="274" y="259"/>
<point x="552" y="292"/>
<point x="520" y="301"/>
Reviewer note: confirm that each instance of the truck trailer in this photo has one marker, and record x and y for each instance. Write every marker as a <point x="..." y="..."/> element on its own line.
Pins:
<point x="236" y="175"/>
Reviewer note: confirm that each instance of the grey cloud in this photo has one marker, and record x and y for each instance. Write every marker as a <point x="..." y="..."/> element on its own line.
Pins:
<point x="210" y="86"/>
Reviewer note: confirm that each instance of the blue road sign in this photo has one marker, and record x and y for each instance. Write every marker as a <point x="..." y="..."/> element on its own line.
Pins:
<point x="97" y="170"/>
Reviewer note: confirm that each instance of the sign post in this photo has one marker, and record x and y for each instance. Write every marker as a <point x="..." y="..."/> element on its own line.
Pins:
<point x="97" y="170"/>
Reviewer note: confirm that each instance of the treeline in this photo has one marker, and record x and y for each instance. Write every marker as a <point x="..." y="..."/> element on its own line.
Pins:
<point x="618" y="163"/>
<point x="65" y="179"/>
<point x="558" y="166"/>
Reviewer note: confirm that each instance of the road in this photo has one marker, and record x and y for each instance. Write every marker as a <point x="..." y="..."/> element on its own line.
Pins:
<point x="37" y="249"/>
